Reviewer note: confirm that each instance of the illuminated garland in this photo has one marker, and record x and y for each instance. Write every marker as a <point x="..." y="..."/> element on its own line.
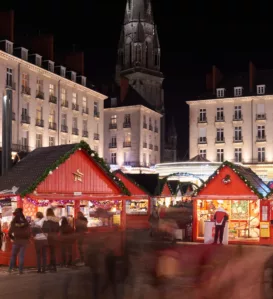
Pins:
<point x="46" y="203"/>
<point x="234" y="168"/>
<point x="80" y="146"/>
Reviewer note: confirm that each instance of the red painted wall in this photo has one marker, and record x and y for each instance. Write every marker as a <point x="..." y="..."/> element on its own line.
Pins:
<point x="166" y="191"/>
<point x="94" y="180"/>
<point x="217" y="187"/>
<point x="134" y="189"/>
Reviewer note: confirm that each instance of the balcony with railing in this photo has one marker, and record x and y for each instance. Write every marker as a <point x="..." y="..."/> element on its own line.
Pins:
<point x="75" y="131"/>
<point x="156" y="148"/>
<point x="96" y="114"/>
<point x="52" y="99"/>
<point x="96" y="136"/>
<point x="127" y="144"/>
<point x="261" y="116"/>
<point x="113" y="126"/>
<point x="261" y="138"/>
<point x="64" y="103"/>
<point x="85" y="110"/>
<point x="25" y="119"/>
<point x="10" y="85"/>
<point x="75" y="107"/>
<point x="156" y="129"/>
<point x="237" y="139"/>
<point x="26" y="90"/>
<point x="145" y="145"/>
<point x="237" y="117"/>
<point x="202" y="120"/>
<point x="40" y="95"/>
<point x="127" y="124"/>
<point x="202" y="140"/>
<point x="145" y="125"/>
<point x="64" y="128"/>
<point x="220" y="139"/>
<point x="85" y="134"/>
<point x="52" y="126"/>
<point x="112" y="145"/>
<point x="151" y="147"/>
<point x="39" y="123"/>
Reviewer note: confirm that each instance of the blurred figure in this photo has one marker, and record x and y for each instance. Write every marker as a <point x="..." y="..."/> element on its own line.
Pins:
<point x="81" y="229"/>
<point x="66" y="232"/>
<point x="154" y="220"/>
<point x="19" y="233"/>
<point x="51" y="228"/>
<point x="220" y="217"/>
<point x="40" y="241"/>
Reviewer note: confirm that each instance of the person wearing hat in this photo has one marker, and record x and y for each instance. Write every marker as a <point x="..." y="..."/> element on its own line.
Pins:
<point x="19" y="233"/>
<point x="220" y="218"/>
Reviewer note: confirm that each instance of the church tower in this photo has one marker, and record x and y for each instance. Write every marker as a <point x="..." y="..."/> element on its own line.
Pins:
<point x="139" y="53"/>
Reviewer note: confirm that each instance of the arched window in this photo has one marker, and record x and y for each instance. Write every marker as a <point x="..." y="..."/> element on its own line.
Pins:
<point x="146" y="55"/>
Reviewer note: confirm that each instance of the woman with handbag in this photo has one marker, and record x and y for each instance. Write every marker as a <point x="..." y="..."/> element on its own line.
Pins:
<point x="40" y="241"/>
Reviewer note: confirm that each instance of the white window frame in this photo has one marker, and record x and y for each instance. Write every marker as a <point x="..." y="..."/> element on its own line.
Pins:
<point x="220" y="134"/>
<point x="237" y="133"/>
<point x="51" y="90"/>
<point x="113" y="119"/>
<point x="238" y="91"/>
<point x="238" y="155"/>
<point x="9" y="47"/>
<point x="39" y="141"/>
<point x="203" y="114"/>
<point x="203" y="153"/>
<point x="220" y="92"/>
<point x="261" y="89"/>
<point x="220" y="113"/>
<point x="261" y="132"/>
<point x="261" y="154"/>
<point x="220" y="155"/>
<point x="62" y="71"/>
<point x="38" y="60"/>
<point x="51" y="141"/>
<point x="24" y="53"/>
<point x="73" y="76"/>
<point x="113" y="158"/>
<point x="9" y="77"/>
<point x="51" y="66"/>
<point x="237" y="112"/>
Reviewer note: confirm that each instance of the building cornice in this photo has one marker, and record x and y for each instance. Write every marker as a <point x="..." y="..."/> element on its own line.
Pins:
<point x="50" y="75"/>
<point x="243" y="99"/>
<point x="133" y="107"/>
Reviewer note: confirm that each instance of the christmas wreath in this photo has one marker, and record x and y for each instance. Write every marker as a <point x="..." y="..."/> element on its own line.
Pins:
<point x="226" y="179"/>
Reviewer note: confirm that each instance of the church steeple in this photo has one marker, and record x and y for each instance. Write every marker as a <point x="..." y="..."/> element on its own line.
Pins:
<point x="136" y="9"/>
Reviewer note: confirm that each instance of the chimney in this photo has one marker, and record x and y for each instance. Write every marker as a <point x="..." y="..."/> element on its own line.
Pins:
<point x="124" y="85"/>
<point x="216" y="78"/>
<point x="7" y="25"/>
<point x="75" y="62"/>
<point x="43" y="45"/>
<point x="252" y="73"/>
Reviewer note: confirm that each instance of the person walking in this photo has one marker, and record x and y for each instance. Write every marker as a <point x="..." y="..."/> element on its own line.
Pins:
<point x="66" y="232"/>
<point x="51" y="228"/>
<point x="81" y="229"/>
<point x="40" y="241"/>
<point x="220" y="218"/>
<point x="19" y="233"/>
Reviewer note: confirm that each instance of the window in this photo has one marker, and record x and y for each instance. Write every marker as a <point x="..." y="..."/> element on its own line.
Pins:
<point x="39" y="85"/>
<point x="51" y="141"/>
<point x="238" y="91"/>
<point x="127" y="138"/>
<point x="114" y="140"/>
<point x="238" y="134"/>
<point x="25" y="80"/>
<point x="261" y="132"/>
<point x="51" y="118"/>
<point x="113" y="119"/>
<point x="220" y="92"/>
<point x="64" y="119"/>
<point x="39" y="140"/>
<point x="38" y="60"/>
<point x="220" y="114"/>
<point x="51" y="66"/>
<point x="237" y="112"/>
<point x="144" y="121"/>
<point x="74" y="98"/>
<point x="144" y="159"/>
<point x="24" y="54"/>
<point x="73" y="76"/>
<point x="9" y="77"/>
<point x="96" y="108"/>
<point x="39" y="113"/>
<point x="220" y="134"/>
<point x="203" y="153"/>
<point x="63" y="96"/>
<point x="74" y="123"/>
<point x="202" y="135"/>
<point x="9" y="47"/>
<point x="85" y="125"/>
<point x="260" y="89"/>
<point x="220" y="155"/>
<point x="238" y="155"/>
<point x="127" y="118"/>
<point x="83" y="81"/>
<point x="51" y="90"/>
<point x="261" y="154"/>
<point x="84" y="102"/>
<point x="113" y="158"/>
<point x="24" y="140"/>
<point x="203" y="115"/>
<point x="62" y="71"/>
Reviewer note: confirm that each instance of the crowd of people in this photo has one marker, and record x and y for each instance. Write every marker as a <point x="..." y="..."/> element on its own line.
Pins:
<point x="46" y="233"/>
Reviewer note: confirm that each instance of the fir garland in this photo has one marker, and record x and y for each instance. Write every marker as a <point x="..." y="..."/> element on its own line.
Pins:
<point x="234" y="168"/>
<point x="79" y="146"/>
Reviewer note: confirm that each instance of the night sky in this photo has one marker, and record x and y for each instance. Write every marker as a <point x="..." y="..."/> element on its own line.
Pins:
<point x="193" y="36"/>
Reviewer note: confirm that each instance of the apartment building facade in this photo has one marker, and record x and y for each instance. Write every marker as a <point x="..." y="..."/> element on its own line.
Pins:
<point x="131" y="137"/>
<point x="235" y="123"/>
<point x="51" y="105"/>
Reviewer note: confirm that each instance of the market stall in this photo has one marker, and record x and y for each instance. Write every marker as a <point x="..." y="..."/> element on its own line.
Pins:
<point x="67" y="178"/>
<point x="243" y="195"/>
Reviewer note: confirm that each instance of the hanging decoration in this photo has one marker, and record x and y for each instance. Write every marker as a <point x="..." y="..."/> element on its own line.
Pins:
<point x="226" y="180"/>
<point x="46" y="203"/>
<point x="106" y="205"/>
<point x="240" y="175"/>
<point x="79" y="146"/>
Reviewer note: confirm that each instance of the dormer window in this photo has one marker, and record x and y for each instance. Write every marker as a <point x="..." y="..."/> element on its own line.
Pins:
<point x="38" y="60"/>
<point x="238" y="91"/>
<point x="62" y="71"/>
<point x="83" y="81"/>
<point x="24" y="54"/>
<point x="260" y="89"/>
<point x="51" y="66"/>
<point x="220" y="92"/>
<point x="9" y="47"/>
<point x="73" y="76"/>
